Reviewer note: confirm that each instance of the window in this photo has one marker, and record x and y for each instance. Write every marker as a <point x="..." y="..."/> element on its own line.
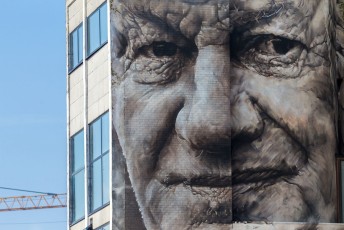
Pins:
<point x="77" y="177"/>
<point x="75" y="48"/>
<point x="97" y="29"/>
<point x="99" y="162"/>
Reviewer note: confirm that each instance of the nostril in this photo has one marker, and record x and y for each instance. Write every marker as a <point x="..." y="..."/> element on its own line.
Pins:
<point x="248" y="133"/>
<point x="218" y="149"/>
<point x="206" y="141"/>
<point x="205" y="129"/>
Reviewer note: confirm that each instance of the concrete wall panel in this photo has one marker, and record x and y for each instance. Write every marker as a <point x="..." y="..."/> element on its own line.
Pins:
<point x="98" y="84"/>
<point x="92" y="5"/>
<point x="79" y="226"/>
<point x="101" y="217"/>
<point x="75" y="15"/>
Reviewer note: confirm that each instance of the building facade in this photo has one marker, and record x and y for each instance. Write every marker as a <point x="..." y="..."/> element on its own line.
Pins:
<point x="100" y="194"/>
<point x="88" y="102"/>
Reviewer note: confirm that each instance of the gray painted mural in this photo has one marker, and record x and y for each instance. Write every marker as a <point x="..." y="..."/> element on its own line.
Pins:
<point x="225" y="110"/>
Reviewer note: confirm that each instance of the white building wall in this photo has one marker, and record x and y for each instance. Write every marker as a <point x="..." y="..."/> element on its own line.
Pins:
<point x="98" y="83"/>
<point x="76" y="100"/>
<point x="101" y="217"/>
<point x="92" y="5"/>
<point x="75" y="14"/>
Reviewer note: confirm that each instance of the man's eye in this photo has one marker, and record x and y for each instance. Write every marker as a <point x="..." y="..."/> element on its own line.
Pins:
<point x="274" y="45"/>
<point x="268" y="54"/>
<point x="282" y="46"/>
<point x="158" y="63"/>
<point x="161" y="49"/>
<point x="269" y="45"/>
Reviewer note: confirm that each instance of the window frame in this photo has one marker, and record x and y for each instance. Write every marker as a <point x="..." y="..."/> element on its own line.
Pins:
<point x="100" y="158"/>
<point x="72" y="173"/>
<point x="88" y="52"/>
<point x="71" y="66"/>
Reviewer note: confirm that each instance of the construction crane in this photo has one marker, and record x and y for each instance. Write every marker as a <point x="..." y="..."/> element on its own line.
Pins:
<point x="37" y="201"/>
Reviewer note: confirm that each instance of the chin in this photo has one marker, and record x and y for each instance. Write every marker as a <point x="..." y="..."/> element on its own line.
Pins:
<point x="185" y="206"/>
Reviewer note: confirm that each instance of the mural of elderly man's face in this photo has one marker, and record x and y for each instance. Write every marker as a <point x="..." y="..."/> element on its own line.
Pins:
<point x="226" y="110"/>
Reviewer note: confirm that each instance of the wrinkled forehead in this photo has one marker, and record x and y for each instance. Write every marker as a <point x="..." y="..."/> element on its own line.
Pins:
<point x="190" y="17"/>
<point x="204" y="11"/>
<point x="185" y="16"/>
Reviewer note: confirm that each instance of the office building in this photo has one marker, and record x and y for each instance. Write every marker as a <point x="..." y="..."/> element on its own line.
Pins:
<point x="88" y="103"/>
<point x="93" y="204"/>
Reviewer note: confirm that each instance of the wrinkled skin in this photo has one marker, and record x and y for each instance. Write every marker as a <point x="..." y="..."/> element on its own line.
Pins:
<point x="226" y="110"/>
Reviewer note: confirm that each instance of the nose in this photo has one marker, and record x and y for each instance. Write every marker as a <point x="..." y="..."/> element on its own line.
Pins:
<point x="216" y="112"/>
<point x="204" y="121"/>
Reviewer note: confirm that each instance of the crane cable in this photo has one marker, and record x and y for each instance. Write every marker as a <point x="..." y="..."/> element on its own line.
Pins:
<point x="24" y="190"/>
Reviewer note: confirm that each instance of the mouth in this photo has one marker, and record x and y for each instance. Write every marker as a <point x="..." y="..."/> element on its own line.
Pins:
<point x="206" y="186"/>
<point x="198" y="181"/>
<point x="238" y="177"/>
<point x="219" y="189"/>
<point x="264" y="175"/>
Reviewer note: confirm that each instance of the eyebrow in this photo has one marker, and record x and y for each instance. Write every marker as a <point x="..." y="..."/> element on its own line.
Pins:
<point x="242" y="17"/>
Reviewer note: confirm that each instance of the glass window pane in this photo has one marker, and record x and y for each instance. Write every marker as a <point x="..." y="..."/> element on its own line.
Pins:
<point x="74" y="49"/>
<point x="96" y="196"/>
<point x="93" y="32"/>
<point x="95" y="139"/>
<point x="78" y="196"/>
<point x="106" y="193"/>
<point x="78" y="151"/>
<point x="80" y="45"/>
<point x="103" y="24"/>
<point x="105" y="132"/>
<point x="107" y="227"/>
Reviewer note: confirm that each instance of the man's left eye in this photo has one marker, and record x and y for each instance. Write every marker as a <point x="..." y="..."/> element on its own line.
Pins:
<point x="161" y="49"/>
<point x="275" y="45"/>
<point x="268" y="45"/>
<point x="268" y="54"/>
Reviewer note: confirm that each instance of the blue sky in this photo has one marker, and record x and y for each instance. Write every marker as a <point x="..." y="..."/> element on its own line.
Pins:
<point x="32" y="108"/>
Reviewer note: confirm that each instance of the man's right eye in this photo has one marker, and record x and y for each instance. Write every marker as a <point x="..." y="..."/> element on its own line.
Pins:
<point x="160" y="49"/>
<point x="161" y="62"/>
<point x="158" y="63"/>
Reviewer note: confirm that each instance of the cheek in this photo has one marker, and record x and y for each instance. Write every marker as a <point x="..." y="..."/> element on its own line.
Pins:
<point x="147" y="116"/>
<point x="294" y="104"/>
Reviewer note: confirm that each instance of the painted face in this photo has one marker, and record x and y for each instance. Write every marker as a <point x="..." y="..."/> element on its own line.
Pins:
<point x="226" y="110"/>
